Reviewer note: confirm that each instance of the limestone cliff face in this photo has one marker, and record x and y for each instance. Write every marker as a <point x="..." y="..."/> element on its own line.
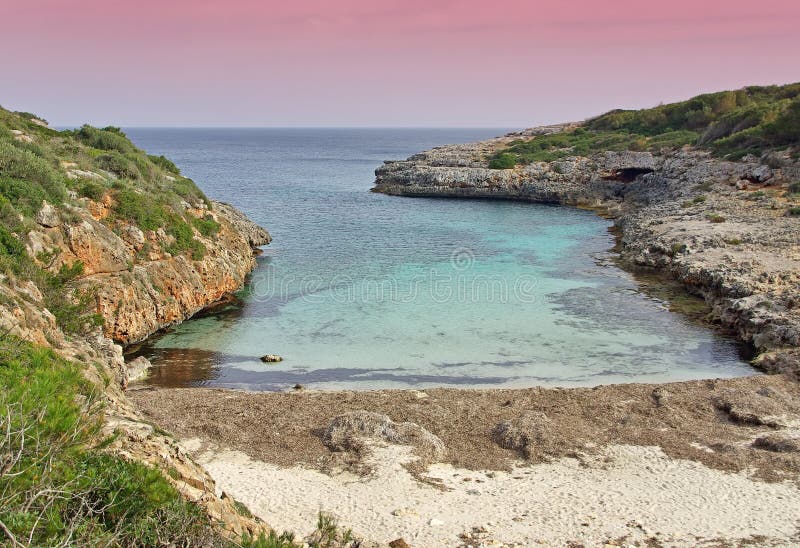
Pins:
<point x="139" y="287"/>
<point x="720" y="227"/>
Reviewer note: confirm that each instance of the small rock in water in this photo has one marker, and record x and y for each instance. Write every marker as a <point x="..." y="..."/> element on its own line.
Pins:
<point x="271" y="358"/>
<point x="298" y="387"/>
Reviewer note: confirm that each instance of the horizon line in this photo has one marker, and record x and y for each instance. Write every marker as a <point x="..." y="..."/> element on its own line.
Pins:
<point x="125" y="126"/>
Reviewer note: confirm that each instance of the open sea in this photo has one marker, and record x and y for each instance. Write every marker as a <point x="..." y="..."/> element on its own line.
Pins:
<point x="362" y="291"/>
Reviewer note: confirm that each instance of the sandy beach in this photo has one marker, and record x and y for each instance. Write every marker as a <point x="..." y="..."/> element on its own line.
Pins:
<point x="711" y="463"/>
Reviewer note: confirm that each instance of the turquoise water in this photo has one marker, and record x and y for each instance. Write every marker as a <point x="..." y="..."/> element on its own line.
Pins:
<point x="361" y="290"/>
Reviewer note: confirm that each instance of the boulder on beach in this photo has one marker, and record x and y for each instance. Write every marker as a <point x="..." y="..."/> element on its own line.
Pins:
<point x="271" y="358"/>
<point x="521" y="434"/>
<point x="135" y="370"/>
<point x="347" y="432"/>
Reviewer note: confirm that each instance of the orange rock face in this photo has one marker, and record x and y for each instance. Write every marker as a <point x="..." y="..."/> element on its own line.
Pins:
<point x="140" y="288"/>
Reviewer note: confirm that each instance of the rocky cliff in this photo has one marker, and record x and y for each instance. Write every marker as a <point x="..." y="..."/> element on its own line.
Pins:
<point x="728" y="230"/>
<point x="102" y="245"/>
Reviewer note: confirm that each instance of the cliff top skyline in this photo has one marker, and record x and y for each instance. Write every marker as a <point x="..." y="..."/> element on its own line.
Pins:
<point x="511" y="63"/>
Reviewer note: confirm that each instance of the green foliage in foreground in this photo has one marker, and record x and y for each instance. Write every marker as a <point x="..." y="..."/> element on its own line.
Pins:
<point x="327" y="535"/>
<point x="56" y="486"/>
<point x="730" y="123"/>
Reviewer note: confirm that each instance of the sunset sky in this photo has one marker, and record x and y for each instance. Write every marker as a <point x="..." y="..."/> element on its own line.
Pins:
<point x="499" y="63"/>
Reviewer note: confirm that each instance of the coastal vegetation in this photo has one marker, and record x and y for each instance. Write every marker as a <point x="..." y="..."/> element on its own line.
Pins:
<point x="731" y="124"/>
<point x="40" y="165"/>
<point x="57" y="485"/>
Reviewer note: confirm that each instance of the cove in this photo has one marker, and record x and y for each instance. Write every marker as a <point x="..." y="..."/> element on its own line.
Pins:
<point x="364" y="291"/>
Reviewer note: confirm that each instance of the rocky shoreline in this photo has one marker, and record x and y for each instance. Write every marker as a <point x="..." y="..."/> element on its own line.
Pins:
<point x="719" y="227"/>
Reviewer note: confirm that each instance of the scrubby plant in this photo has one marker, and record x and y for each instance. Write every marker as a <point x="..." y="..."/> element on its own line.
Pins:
<point x="327" y="534"/>
<point x="715" y="218"/>
<point x="92" y="190"/>
<point x="206" y="226"/>
<point x="107" y="138"/>
<point x="677" y="248"/>
<point x="165" y="163"/>
<point x="139" y="209"/>
<point x="119" y="165"/>
<point x="505" y="160"/>
<point x="57" y="487"/>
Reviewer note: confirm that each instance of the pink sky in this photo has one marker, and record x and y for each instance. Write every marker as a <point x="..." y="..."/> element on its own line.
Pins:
<point x="501" y="63"/>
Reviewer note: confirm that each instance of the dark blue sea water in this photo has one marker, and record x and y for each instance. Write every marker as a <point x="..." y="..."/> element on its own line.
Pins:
<point x="362" y="290"/>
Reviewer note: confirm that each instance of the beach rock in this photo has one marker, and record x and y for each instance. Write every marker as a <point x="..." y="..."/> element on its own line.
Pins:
<point x="661" y="396"/>
<point x="521" y="433"/>
<point x="271" y="358"/>
<point x="434" y="522"/>
<point x="777" y="444"/>
<point x="770" y="408"/>
<point x="137" y="369"/>
<point x="399" y="543"/>
<point x="346" y="431"/>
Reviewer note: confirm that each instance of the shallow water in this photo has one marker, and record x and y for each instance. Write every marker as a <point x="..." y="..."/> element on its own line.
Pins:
<point x="361" y="290"/>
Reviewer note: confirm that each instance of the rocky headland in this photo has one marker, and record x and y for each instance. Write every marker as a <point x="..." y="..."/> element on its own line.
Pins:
<point x="720" y="227"/>
<point x="102" y="246"/>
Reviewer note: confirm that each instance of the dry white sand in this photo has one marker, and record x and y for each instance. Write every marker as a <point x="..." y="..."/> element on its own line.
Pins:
<point x="632" y="492"/>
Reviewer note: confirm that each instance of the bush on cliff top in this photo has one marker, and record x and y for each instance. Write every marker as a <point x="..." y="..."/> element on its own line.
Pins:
<point x="731" y="124"/>
<point x="33" y="167"/>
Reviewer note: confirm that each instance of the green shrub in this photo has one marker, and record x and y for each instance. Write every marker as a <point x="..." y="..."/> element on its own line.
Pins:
<point x="794" y="188"/>
<point x="185" y="188"/>
<point x="794" y="211"/>
<point x="715" y="218"/>
<point x="139" y="209"/>
<point x="92" y="190"/>
<point x="184" y="239"/>
<point x="677" y="248"/>
<point x="34" y="172"/>
<point x="56" y="487"/>
<point x="27" y="197"/>
<point x="10" y="245"/>
<point x="503" y="161"/>
<point x="108" y="138"/>
<point x="119" y="165"/>
<point x="328" y="534"/>
<point x="206" y="226"/>
<point x="165" y="163"/>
